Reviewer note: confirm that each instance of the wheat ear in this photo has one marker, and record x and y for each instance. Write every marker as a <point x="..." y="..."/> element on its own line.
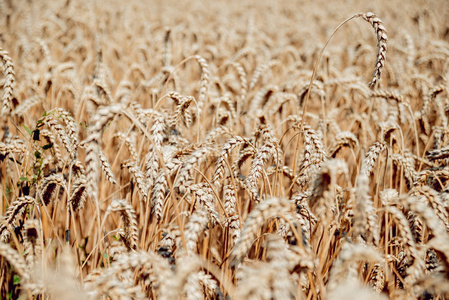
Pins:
<point x="15" y="210"/>
<point x="9" y="84"/>
<point x="131" y="236"/>
<point x="49" y="186"/>
<point x="138" y="178"/>
<point x="365" y="221"/>
<point x="196" y="226"/>
<point x="78" y="194"/>
<point x="16" y="260"/>
<point x="93" y="141"/>
<point x="31" y="243"/>
<point x="381" y="45"/>
<point x="271" y="207"/>
<point x="343" y="267"/>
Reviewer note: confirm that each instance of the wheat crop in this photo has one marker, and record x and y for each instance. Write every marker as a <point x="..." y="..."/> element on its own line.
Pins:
<point x="224" y="149"/>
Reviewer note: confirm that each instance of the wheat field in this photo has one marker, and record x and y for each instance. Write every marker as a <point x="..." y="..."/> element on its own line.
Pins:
<point x="224" y="149"/>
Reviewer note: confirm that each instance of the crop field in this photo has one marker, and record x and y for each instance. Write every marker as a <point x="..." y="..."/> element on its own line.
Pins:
<point x="224" y="149"/>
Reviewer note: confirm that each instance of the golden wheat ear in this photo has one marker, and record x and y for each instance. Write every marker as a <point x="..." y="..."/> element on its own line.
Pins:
<point x="15" y="211"/>
<point x="381" y="45"/>
<point x="10" y="79"/>
<point x="267" y="209"/>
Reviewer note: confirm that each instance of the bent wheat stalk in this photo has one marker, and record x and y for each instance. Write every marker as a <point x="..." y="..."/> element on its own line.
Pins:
<point x="380" y="57"/>
<point x="9" y="84"/>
